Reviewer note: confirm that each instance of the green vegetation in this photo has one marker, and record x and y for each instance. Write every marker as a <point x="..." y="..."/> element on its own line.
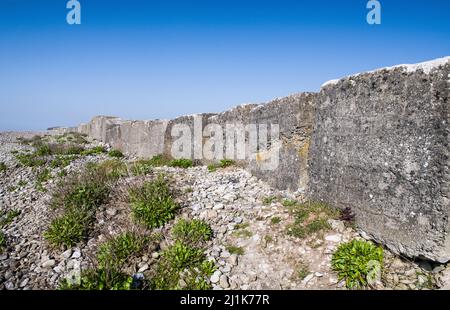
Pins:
<point x="224" y="163"/>
<point x="30" y="160"/>
<point x="43" y="176"/>
<point x="70" y="228"/>
<point x="94" y="151"/>
<point x="111" y="258"/>
<point x="114" y="253"/>
<point x="159" y="160"/>
<point x="152" y="203"/>
<point x="141" y="167"/>
<point x="182" y="266"/>
<point x="269" y="200"/>
<point x="61" y="161"/>
<point x="235" y="250"/>
<point x="310" y="218"/>
<point x="7" y="218"/>
<point x="181" y="163"/>
<point x="192" y="232"/>
<point x="22" y="183"/>
<point x="3" y="167"/>
<point x="289" y="203"/>
<point x="2" y="242"/>
<point x="99" y="279"/>
<point x="77" y="198"/>
<point x="303" y="270"/>
<point x="275" y="220"/>
<point x="357" y="262"/>
<point x="115" y="154"/>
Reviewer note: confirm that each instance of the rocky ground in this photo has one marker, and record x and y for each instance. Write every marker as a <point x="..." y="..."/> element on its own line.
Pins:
<point x="250" y="244"/>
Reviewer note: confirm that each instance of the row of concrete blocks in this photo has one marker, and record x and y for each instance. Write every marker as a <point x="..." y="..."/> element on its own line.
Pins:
<point x="376" y="142"/>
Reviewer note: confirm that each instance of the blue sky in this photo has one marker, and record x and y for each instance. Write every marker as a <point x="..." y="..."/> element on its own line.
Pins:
<point x="161" y="59"/>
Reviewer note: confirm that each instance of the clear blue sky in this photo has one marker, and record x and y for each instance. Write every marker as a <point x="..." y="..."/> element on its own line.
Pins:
<point x="159" y="59"/>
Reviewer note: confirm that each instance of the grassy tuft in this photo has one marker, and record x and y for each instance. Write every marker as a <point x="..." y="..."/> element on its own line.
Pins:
<point x="3" y="167"/>
<point x="235" y="250"/>
<point x="310" y="218"/>
<point x="181" y="163"/>
<point x="192" y="232"/>
<point x="115" y="154"/>
<point x="152" y="203"/>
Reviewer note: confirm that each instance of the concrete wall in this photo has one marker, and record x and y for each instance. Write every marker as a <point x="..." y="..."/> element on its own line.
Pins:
<point x="381" y="146"/>
<point x="376" y="142"/>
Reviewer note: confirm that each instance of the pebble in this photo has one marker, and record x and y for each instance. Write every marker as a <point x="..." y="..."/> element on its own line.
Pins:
<point x="49" y="263"/>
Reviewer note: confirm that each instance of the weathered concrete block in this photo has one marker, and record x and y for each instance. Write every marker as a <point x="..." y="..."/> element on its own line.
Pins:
<point x="381" y="146"/>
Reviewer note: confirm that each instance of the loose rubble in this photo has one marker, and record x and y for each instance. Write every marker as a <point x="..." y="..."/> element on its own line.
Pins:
<point x="251" y="250"/>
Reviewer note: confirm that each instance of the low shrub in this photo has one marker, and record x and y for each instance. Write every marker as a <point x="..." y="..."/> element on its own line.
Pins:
<point x="115" y="154"/>
<point x="152" y="203"/>
<point x="226" y="163"/>
<point x="94" y="151"/>
<point x="192" y="232"/>
<point x="182" y="267"/>
<point x="269" y="200"/>
<point x="357" y="262"/>
<point x="3" y="167"/>
<point x="115" y="252"/>
<point x="61" y="161"/>
<point x="7" y="218"/>
<point x="30" y="160"/>
<point x="99" y="279"/>
<point x="43" y="176"/>
<point x="181" y="163"/>
<point x="70" y="228"/>
<point x="141" y="167"/>
<point x="2" y="241"/>
<point x="78" y="197"/>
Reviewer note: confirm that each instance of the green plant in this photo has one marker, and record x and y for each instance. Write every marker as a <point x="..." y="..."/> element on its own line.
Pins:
<point x="235" y="250"/>
<point x="212" y="168"/>
<point x="192" y="231"/>
<point x="22" y="183"/>
<point x="99" y="279"/>
<point x="2" y="241"/>
<point x="141" y="167"/>
<point x="74" y="150"/>
<point x="43" y="150"/>
<point x="303" y="270"/>
<point x="243" y="233"/>
<point x="226" y="163"/>
<point x="70" y="228"/>
<point x="181" y="163"/>
<point x="159" y="160"/>
<point x="115" y="154"/>
<point x="30" y="160"/>
<point x="43" y="176"/>
<point x="152" y="203"/>
<point x="78" y="196"/>
<point x="3" y="167"/>
<point x="310" y="218"/>
<point x="289" y="203"/>
<point x="94" y="151"/>
<point x="113" y="168"/>
<point x="116" y="251"/>
<point x="269" y="200"/>
<point x="275" y="220"/>
<point x="6" y="218"/>
<point x="355" y="261"/>
<point x="61" y="161"/>
<point x="181" y="263"/>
